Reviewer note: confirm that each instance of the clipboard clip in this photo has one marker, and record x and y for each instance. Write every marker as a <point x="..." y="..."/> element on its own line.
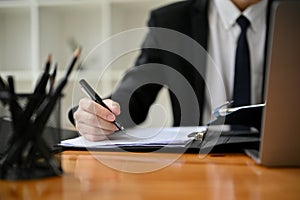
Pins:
<point x="198" y="135"/>
<point x="225" y="109"/>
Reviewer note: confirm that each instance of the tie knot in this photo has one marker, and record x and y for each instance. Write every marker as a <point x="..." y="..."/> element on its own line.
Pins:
<point x="243" y="22"/>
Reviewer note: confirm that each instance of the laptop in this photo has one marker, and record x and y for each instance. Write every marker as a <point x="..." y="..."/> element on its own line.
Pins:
<point x="280" y="132"/>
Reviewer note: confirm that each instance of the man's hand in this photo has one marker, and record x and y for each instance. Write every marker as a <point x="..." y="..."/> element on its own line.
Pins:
<point x="93" y="121"/>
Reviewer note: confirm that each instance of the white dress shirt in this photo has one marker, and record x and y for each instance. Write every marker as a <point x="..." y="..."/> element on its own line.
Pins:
<point x="223" y="36"/>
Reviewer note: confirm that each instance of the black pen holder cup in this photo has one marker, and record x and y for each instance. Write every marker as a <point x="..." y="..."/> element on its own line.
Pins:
<point x="38" y="156"/>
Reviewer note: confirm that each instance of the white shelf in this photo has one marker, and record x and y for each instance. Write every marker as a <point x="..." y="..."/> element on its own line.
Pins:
<point x="31" y="29"/>
<point x="61" y="25"/>
<point x="14" y="3"/>
<point x="67" y="2"/>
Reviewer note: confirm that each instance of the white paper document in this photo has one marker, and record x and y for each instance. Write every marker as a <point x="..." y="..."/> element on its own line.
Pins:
<point x="175" y="137"/>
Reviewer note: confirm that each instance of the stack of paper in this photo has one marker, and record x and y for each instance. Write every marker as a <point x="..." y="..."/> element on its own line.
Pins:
<point x="174" y="137"/>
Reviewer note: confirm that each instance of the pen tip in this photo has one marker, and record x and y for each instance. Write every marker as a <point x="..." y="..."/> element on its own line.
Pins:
<point x="122" y="129"/>
<point x="77" y="52"/>
<point x="48" y="63"/>
<point x="49" y="58"/>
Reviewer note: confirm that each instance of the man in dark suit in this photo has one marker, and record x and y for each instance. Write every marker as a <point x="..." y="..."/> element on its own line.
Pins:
<point x="211" y="24"/>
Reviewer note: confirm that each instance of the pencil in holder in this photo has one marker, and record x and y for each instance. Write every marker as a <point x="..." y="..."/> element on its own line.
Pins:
<point x="28" y="151"/>
<point x="30" y="126"/>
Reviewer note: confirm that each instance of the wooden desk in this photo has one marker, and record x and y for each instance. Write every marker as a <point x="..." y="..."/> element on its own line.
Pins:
<point x="230" y="176"/>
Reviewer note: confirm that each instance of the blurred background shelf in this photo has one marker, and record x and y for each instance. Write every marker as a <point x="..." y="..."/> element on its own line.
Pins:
<point x="32" y="29"/>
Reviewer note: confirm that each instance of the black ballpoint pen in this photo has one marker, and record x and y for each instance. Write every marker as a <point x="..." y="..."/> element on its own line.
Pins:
<point x="95" y="97"/>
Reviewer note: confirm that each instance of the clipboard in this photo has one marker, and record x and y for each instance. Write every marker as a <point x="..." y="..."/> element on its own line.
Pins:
<point x="228" y="141"/>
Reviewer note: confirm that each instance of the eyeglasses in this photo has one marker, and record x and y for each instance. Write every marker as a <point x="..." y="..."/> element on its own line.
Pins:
<point x="225" y="108"/>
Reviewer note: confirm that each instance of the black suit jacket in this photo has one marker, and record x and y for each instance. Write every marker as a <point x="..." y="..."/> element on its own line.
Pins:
<point x="191" y="19"/>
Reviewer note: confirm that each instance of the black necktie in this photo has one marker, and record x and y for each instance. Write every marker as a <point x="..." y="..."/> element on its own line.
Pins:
<point x="242" y="77"/>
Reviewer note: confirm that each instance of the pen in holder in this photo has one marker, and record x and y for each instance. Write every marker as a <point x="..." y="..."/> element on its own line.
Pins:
<point x="27" y="135"/>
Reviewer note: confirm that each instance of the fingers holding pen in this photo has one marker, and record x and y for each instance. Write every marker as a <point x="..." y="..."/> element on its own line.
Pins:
<point x="94" y="121"/>
<point x="113" y="106"/>
<point x="92" y="107"/>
